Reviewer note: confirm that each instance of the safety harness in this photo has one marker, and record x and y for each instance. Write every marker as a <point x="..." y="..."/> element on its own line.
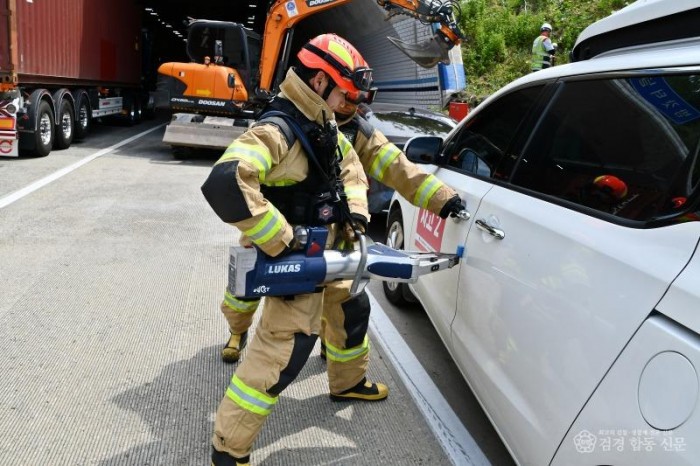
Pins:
<point x="308" y="202"/>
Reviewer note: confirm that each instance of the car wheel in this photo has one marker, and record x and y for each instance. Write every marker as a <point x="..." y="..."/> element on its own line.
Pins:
<point x="397" y="293"/>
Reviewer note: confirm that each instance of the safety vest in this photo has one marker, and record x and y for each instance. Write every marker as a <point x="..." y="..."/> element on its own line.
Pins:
<point x="540" y="57"/>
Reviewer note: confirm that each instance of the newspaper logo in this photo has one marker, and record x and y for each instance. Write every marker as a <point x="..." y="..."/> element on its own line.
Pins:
<point x="585" y="442"/>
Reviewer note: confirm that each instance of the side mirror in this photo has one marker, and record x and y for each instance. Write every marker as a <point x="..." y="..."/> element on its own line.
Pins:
<point x="231" y="80"/>
<point x="423" y="149"/>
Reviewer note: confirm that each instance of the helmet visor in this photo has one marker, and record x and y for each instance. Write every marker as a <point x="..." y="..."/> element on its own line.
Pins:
<point x="360" y="97"/>
<point x="362" y="79"/>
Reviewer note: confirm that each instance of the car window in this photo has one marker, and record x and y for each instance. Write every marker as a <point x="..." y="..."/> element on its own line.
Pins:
<point x="625" y="147"/>
<point x="481" y="145"/>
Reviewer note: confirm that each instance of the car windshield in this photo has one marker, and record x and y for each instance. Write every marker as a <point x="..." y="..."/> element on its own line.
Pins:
<point x="401" y="124"/>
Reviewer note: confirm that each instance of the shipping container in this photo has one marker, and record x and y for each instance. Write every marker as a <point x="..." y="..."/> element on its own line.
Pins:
<point x="62" y="64"/>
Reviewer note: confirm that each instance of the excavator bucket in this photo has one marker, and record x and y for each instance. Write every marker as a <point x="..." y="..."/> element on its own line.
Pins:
<point x="426" y="54"/>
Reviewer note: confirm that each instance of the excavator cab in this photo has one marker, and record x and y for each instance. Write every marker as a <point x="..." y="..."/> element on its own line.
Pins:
<point x="238" y="47"/>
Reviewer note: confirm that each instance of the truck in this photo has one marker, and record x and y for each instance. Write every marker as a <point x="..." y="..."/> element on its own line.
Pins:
<point x="234" y="71"/>
<point x="62" y="65"/>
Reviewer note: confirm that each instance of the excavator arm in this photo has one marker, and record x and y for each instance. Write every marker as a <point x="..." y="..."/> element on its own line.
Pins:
<point x="285" y="14"/>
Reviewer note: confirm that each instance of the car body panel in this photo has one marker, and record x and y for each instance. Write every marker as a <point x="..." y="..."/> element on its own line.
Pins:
<point x="547" y="319"/>
<point x="613" y="429"/>
<point x="431" y="233"/>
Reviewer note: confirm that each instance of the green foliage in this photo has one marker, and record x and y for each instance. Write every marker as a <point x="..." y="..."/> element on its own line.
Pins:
<point x="499" y="35"/>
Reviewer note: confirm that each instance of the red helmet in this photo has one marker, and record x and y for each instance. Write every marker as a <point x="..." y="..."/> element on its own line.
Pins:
<point x="611" y="185"/>
<point x="340" y="60"/>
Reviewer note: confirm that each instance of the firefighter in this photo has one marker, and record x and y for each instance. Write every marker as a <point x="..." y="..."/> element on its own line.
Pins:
<point x="543" y="49"/>
<point x="344" y="342"/>
<point x="265" y="183"/>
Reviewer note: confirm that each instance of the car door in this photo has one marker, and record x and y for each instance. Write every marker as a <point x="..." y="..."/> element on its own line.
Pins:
<point x="564" y="264"/>
<point x="472" y="160"/>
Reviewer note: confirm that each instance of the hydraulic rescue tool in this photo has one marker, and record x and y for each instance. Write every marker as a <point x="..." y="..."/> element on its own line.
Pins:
<point x="252" y="274"/>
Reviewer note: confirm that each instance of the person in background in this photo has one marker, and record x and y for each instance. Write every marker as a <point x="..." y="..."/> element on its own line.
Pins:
<point x="542" y="49"/>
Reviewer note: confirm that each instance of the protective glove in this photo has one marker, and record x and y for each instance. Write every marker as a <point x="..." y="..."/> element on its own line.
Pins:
<point x="349" y="235"/>
<point x="452" y="207"/>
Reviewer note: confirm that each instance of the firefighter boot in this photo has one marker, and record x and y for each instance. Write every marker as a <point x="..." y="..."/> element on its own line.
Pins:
<point x="219" y="458"/>
<point x="232" y="351"/>
<point x="363" y="391"/>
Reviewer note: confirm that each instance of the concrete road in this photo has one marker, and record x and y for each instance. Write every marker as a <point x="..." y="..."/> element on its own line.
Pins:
<point x="112" y="268"/>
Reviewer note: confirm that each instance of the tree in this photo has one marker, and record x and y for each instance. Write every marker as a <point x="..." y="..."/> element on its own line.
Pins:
<point x="499" y="35"/>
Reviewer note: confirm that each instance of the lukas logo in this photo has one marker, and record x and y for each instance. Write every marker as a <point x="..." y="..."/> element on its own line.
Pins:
<point x="283" y="268"/>
<point x="214" y="103"/>
<point x="318" y="2"/>
<point x="262" y="289"/>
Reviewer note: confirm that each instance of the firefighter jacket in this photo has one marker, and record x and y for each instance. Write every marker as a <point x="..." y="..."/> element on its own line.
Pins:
<point x="387" y="164"/>
<point x="262" y="157"/>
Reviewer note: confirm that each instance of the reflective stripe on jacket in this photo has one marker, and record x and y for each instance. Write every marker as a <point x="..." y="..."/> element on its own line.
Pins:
<point x="386" y="163"/>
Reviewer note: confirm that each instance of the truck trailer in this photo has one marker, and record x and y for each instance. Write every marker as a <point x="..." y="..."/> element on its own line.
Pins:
<point x="63" y="64"/>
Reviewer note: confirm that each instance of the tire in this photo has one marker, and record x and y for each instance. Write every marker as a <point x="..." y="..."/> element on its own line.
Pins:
<point x="131" y="116"/>
<point x="65" y="130"/>
<point x="181" y="152"/>
<point x="138" y="111"/>
<point x="84" y="122"/>
<point x="397" y="293"/>
<point x="45" y="130"/>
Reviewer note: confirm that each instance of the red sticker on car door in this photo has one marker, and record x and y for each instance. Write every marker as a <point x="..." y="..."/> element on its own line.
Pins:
<point x="429" y="230"/>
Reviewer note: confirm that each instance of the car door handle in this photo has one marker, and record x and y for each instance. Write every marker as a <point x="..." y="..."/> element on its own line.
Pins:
<point x="495" y="232"/>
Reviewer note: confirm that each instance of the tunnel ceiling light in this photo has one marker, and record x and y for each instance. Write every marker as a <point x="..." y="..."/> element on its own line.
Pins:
<point x="148" y="9"/>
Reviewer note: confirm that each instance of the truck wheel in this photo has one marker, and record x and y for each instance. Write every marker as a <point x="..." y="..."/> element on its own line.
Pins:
<point x="44" y="134"/>
<point x="66" y="125"/>
<point x="130" y="112"/>
<point x="397" y="293"/>
<point x="84" y="122"/>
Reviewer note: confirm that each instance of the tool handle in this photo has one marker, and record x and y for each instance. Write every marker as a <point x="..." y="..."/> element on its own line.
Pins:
<point x="361" y="267"/>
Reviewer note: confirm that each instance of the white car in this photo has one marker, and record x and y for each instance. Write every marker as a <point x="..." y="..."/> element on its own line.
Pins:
<point x="574" y="314"/>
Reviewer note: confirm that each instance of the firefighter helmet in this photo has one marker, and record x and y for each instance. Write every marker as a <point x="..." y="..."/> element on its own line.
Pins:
<point x="612" y="186"/>
<point x="340" y="60"/>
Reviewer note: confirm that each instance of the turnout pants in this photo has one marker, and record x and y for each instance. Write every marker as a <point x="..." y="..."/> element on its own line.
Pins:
<point x="344" y="331"/>
<point x="282" y="343"/>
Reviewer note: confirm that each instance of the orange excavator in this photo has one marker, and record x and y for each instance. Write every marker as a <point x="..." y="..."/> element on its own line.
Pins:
<point x="215" y="100"/>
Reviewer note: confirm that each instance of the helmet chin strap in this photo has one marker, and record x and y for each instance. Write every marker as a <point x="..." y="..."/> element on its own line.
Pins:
<point x="329" y="88"/>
